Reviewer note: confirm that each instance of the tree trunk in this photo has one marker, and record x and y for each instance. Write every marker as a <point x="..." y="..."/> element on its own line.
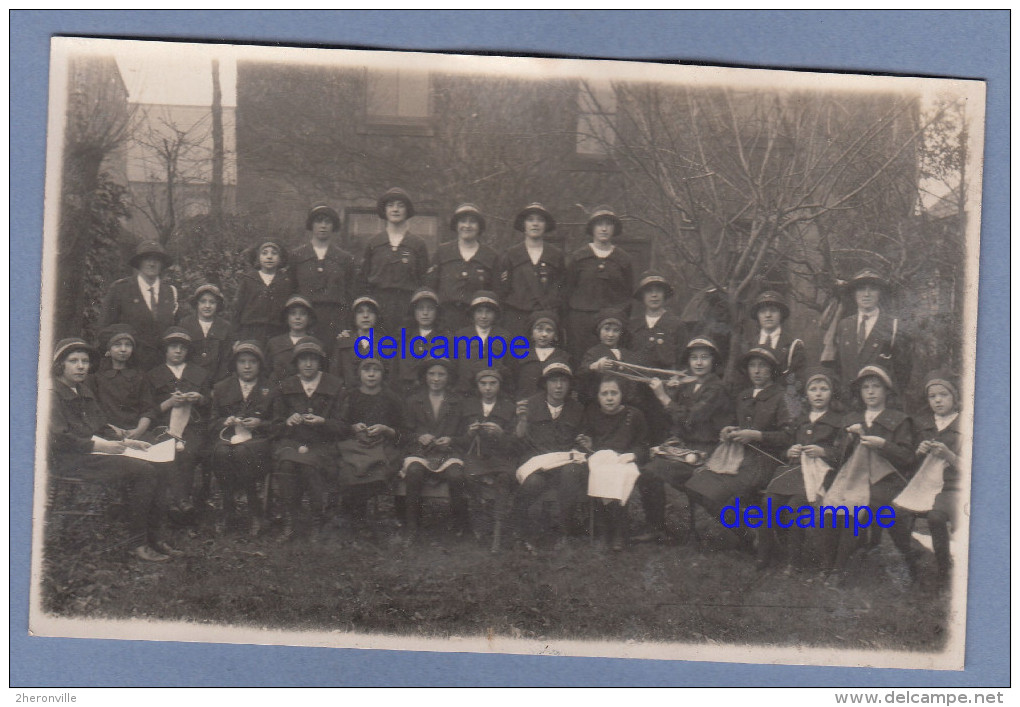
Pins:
<point x="216" y="188"/>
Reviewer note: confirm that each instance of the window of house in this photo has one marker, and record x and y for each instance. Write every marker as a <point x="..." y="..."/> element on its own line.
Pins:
<point x="360" y="224"/>
<point x="398" y="101"/>
<point x="596" y="119"/>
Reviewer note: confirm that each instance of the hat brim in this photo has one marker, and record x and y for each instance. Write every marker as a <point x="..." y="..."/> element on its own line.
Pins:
<point x="617" y="224"/>
<point x="138" y="257"/>
<point x="550" y="222"/>
<point x="457" y="217"/>
<point x="380" y="205"/>
<point x="639" y="292"/>
<point x="327" y="211"/>
<point x="784" y="310"/>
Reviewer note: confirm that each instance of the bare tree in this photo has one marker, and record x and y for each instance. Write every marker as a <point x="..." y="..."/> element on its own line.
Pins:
<point x="747" y="188"/>
<point x="216" y="187"/>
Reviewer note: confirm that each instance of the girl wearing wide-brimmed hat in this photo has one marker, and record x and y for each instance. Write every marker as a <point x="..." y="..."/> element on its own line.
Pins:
<point x="145" y="301"/>
<point x="240" y="431"/>
<point x="888" y="435"/>
<point x="762" y="431"/>
<point x="532" y="273"/>
<point x="297" y="316"/>
<point x="770" y="312"/>
<point x="78" y="429"/>
<point x="323" y="272"/>
<point x="306" y="427"/>
<point x="211" y="336"/>
<point x="261" y="294"/>
<point x="462" y="266"/>
<point x="697" y="411"/>
<point x="598" y="275"/>
<point x="395" y="261"/>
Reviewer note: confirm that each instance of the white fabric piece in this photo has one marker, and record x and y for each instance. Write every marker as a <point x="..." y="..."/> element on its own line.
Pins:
<point x="919" y="495"/>
<point x="612" y="475"/>
<point x="813" y="470"/>
<point x="156" y="454"/>
<point x="545" y="462"/>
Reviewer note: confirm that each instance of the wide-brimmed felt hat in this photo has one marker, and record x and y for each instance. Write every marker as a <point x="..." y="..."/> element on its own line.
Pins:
<point x="557" y="369"/>
<point x="610" y="314"/>
<point x="150" y="248"/>
<point x="115" y="332"/>
<point x="873" y="371"/>
<point x="544" y="315"/>
<point x="944" y="377"/>
<point x="489" y="373"/>
<point x="534" y="208"/>
<point x="175" y="335"/>
<point x="649" y="278"/>
<point x="297" y="301"/>
<point x="371" y="361"/>
<point x="428" y="363"/>
<point x="207" y="288"/>
<point x="702" y="342"/>
<point x="468" y="210"/>
<point x="394" y="194"/>
<point x="484" y="297"/>
<point x="255" y="252"/>
<point x="604" y="212"/>
<point x="306" y="345"/>
<point x="319" y="210"/>
<point x="65" y="347"/>
<point x="247" y="346"/>
<point x="867" y="276"/>
<point x="763" y="353"/>
<point x="365" y="299"/>
<point x="770" y="297"/>
<point x="423" y="294"/>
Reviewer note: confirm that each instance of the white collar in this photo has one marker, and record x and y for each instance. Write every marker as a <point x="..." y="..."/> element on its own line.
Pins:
<point x="320" y="250"/>
<point x="601" y="253"/>
<point x="483" y="334"/>
<point x="206" y="326"/>
<point x="177" y="370"/>
<point x="487" y="407"/>
<point x="652" y="320"/>
<point x="268" y="279"/>
<point x="311" y="385"/>
<point x="816" y="415"/>
<point x="467" y="252"/>
<point x="144" y="286"/>
<point x="768" y="339"/>
<point x="944" y="421"/>
<point x="544" y="353"/>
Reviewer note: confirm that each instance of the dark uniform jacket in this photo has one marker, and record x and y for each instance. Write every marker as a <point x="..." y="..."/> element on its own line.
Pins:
<point x="456" y="280"/>
<point x="768" y="414"/>
<point x="879" y="349"/>
<point x="194" y="379"/>
<point x="626" y="432"/>
<point x="279" y="356"/>
<point x="124" y="396"/>
<point x="74" y="419"/>
<point x="210" y="351"/>
<point x="895" y="428"/>
<point x="419" y="419"/>
<point x="529" y="287"/>
<point x="328" y="281"/>
<point x="544" y="434"/>
<point x="258" y="305"/>
<point x="697" y="417"/>
<point x="595" y="283"/>
<point x="468" y="367"/>
<point x="290" y="398"/>
<point x="826" y="432"/>
<point x="482" y="444"/>
<point x="382" y="408"/>
<point x="343" y="362"/>
<point x="227" y="401"/>
<point x="125" y="303"/>
<point x="950" y="436"/>
<point x="659" y="346"/>
<point x="386" y="268"/>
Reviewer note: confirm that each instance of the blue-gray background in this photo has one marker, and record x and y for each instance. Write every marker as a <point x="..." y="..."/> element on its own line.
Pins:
<point x="956" y="44"/>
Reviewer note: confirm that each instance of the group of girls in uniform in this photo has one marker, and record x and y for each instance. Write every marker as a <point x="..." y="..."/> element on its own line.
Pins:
<point x="284" y="407"/>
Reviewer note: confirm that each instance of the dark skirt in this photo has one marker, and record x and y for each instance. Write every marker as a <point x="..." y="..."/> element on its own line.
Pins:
<point x="754" y="474"/>
<point x="360" y="464"/>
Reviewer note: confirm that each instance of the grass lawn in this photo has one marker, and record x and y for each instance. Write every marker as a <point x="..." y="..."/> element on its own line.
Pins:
<point x="363" y="578"/>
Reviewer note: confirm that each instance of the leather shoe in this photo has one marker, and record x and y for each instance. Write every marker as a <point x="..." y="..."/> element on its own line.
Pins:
<point x="166" y="549"/>
<point x="144" y="552"/>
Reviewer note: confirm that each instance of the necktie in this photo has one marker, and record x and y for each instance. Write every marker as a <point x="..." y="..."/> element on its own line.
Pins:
<point x="862" y="331"/>
<point x="152" y="298"/>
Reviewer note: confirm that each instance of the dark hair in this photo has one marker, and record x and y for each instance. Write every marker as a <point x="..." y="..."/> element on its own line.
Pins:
<point x="624" y="385"/>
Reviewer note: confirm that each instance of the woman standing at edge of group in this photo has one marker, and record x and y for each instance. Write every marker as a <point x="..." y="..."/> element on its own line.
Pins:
<point x="599" y="275"/>
<point x="531" y="273"/>
<point x="462" y="267"/>
<point x="145" y="302"/>
<point x="395" y="260"/>
<point x="323" y="272"/>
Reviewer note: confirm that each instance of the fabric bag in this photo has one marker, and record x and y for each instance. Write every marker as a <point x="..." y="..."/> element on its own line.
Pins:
<point x="726" y="458"/>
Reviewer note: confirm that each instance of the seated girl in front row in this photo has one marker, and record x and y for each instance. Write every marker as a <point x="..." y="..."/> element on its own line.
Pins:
<point x="818" y="434"/>
<point x="938" y="436"/>
<point x="762" y="433"/>
<point x="621" y="428"/>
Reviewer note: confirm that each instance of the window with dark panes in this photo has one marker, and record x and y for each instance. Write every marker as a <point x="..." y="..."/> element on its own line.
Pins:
<point x="596" y="117"/>
<point x="397" y="99"/>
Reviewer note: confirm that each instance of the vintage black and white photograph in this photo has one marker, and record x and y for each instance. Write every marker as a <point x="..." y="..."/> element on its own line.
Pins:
<point x="506" y="355"/>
